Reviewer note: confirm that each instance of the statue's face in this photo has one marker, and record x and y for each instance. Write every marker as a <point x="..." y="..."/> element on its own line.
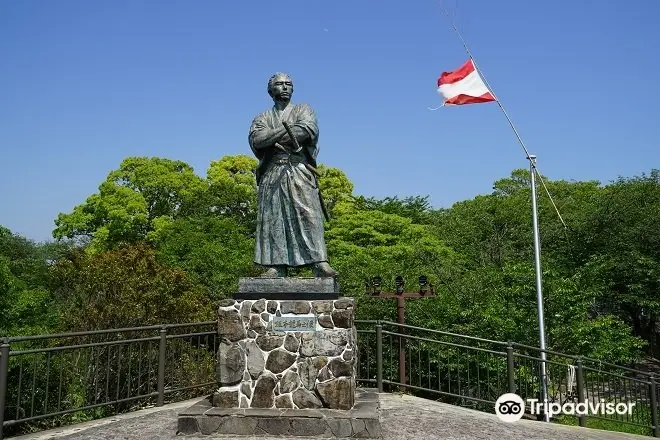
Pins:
<point x="281" y="88"/>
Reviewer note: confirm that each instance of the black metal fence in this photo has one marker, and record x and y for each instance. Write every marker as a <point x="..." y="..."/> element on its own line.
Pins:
<point x="474" y="372"/>
<point x="52" y="380"/>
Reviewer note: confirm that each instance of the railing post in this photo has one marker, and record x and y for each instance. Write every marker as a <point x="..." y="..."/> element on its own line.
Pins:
<point x="510" y="367"/>
<point x="654" y="407"/>
<point x="4" y="372"/>
<point x="582" y="419"/>
<point x="162" y="351"/>
<point x="379" y="357"/>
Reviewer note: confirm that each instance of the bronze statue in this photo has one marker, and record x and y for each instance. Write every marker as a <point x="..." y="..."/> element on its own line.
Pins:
<point x="290" y="230"/>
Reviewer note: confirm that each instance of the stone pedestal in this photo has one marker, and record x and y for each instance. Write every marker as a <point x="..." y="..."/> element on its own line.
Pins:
<point x="293" y="354"/>
<point x="287" y="288"/>
<point x="362" y="421"/>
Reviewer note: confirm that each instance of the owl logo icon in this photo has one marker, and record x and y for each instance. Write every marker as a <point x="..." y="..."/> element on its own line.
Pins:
<point x="509" y="407"/>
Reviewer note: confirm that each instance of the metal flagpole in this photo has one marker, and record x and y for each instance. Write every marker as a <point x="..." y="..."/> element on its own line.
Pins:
<point x="537" y="251"/>
<point x="539" y="290"/>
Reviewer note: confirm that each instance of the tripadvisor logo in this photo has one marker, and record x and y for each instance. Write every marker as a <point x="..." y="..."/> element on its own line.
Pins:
<point x="510" y="408"/>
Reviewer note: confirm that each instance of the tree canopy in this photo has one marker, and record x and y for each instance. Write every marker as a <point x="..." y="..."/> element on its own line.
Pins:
<point x="159" y="243"/>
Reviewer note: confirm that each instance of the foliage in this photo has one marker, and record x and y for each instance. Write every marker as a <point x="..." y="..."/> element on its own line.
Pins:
<point x="233" y="188"/>
<point x="640" y="417"/>
<point x="125" y="288"/>
<point x="133" y="200"/>
<point x="367" y="243"/>
<point x="26" y="305"/>
<point x="336" y="189"/>
<point x="215" y="251"/>
<point x="600" y="271"/>
<point x="621" y="253"/>
<point x="417" y="208"/>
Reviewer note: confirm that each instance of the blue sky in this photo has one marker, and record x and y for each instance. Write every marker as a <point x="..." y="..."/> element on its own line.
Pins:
<point x="85" y="84"/>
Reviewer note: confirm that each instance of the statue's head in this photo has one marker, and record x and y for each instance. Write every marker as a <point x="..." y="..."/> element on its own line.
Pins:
<point x="280" y="87"/>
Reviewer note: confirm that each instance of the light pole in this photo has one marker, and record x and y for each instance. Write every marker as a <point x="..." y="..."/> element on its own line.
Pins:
<point x="539" y="288"/>
<point x="425" y="290"/>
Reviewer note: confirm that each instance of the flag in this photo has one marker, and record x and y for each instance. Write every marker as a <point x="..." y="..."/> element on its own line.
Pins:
<point x="463" y="86"/>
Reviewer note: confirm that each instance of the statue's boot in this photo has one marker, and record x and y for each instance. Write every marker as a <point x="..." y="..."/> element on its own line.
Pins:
<point x="274" y="272"/>
<point x="324" y="270"/>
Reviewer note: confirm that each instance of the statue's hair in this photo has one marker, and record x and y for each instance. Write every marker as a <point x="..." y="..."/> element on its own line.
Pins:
<point x="272" y="79"/>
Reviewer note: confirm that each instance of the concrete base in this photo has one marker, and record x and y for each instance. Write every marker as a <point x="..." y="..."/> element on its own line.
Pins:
<point x="359" y="422"/>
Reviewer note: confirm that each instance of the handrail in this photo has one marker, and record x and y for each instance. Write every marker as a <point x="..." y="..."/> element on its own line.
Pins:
<point x="461" y="369"/>
<point x="108" y="372"/>
<point x="440" y="332"/>
<point x="451" y="344"/>
<point x="514" y="344"/>
<point x="583" y="358"/>
<point x="101" y="332"/>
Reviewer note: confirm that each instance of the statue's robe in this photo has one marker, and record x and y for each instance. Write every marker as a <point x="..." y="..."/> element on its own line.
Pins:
<point x="289" y="218"/>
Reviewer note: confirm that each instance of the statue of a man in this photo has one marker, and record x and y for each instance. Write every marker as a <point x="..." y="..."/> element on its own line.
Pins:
<point x="290" y="229"/>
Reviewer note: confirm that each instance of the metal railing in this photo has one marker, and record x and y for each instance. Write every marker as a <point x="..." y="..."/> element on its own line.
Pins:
<point x="474" y="372"/>
<point x="53" y="380"/>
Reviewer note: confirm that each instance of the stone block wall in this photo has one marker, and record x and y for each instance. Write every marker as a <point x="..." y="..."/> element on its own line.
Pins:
<point x="259" y="366"/>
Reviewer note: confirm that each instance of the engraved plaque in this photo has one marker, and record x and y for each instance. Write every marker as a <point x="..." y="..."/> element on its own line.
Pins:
<point x="294" y="323"/>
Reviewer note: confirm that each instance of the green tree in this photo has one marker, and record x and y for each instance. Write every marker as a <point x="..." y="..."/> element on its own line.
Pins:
<point x="26" y="305"/>
<point x="134" y="200"/>
<point x="619" y="243"/>
<point x="337" y="190"/>
<point x="497" y="290"/>
<point x="214" y="250"/>
<point x="416" y="208"/>
<point x="364" y="244"/>
<point x="501" y="303"/>
<point x="127" y="287"/>
<point x="490" y="229"/>
<point x="233" y="188"/>
<point x="496" y="228"/>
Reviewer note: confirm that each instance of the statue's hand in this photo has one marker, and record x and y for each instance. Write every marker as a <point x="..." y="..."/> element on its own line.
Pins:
<point x="286" y="139"/>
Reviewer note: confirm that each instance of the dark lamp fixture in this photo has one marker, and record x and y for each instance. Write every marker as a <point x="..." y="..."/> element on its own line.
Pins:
<point x="423" y="285"/>
<point x="399" y="283"/>
<point x="375" y="284"/>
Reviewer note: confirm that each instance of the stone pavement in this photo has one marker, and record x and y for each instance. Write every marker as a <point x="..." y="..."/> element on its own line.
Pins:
<point x="402" y="417"/>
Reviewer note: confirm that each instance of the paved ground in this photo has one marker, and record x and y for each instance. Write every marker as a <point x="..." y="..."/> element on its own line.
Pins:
<point x="402" y="417"/>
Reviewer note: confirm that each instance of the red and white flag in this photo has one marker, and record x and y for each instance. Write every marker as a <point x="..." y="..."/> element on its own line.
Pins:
<point x="463" y="86"/>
